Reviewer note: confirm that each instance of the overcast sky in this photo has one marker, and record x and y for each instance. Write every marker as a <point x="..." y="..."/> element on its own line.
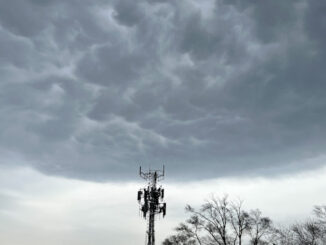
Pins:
<point x="224" y="89"/>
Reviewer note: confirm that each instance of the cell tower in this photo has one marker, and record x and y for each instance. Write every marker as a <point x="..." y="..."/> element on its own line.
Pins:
<point x="151" y="200"/>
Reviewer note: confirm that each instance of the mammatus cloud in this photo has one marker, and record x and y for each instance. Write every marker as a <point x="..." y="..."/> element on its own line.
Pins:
<point x="90" y="90"/>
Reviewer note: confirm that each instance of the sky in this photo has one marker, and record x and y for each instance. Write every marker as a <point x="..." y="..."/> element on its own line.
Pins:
<point x="228" y="94"/>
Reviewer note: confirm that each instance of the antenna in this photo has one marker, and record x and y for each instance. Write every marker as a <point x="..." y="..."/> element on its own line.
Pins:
<point x="151" y="200"/>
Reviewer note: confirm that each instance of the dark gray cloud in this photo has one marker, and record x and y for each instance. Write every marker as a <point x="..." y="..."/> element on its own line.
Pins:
<point x="92" y="89"/>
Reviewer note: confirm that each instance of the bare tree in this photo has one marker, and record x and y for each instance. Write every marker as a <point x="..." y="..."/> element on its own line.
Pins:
<point x="283" y="236"/>
<point x="308" y="233"/>
<point x="188" y="233"/>
<point x="220" y="222"/>
<point x="179" y="239"/>
<point x="320" y="214"/>
<point x="214" y="219"/>
<point x="311" y="232"/>
<point x="240" y="221"/>
<point x="196" y="225"/>
<point x="260" y="227"/>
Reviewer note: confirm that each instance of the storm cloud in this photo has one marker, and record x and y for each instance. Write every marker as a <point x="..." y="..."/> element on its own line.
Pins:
<point x="93" y="89"/>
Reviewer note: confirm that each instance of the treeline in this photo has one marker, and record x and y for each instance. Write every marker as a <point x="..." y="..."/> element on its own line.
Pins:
<point x="222" y="222"/>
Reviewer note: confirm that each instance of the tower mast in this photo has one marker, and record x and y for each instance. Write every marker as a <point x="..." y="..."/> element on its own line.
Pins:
<point x="151" y="200"/>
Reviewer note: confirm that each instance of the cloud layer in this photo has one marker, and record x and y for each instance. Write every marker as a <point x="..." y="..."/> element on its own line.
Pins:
<point x="90" y="90"/>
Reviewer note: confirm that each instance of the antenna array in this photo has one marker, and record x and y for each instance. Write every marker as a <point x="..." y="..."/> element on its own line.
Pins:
<point x="151" y="200"/>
